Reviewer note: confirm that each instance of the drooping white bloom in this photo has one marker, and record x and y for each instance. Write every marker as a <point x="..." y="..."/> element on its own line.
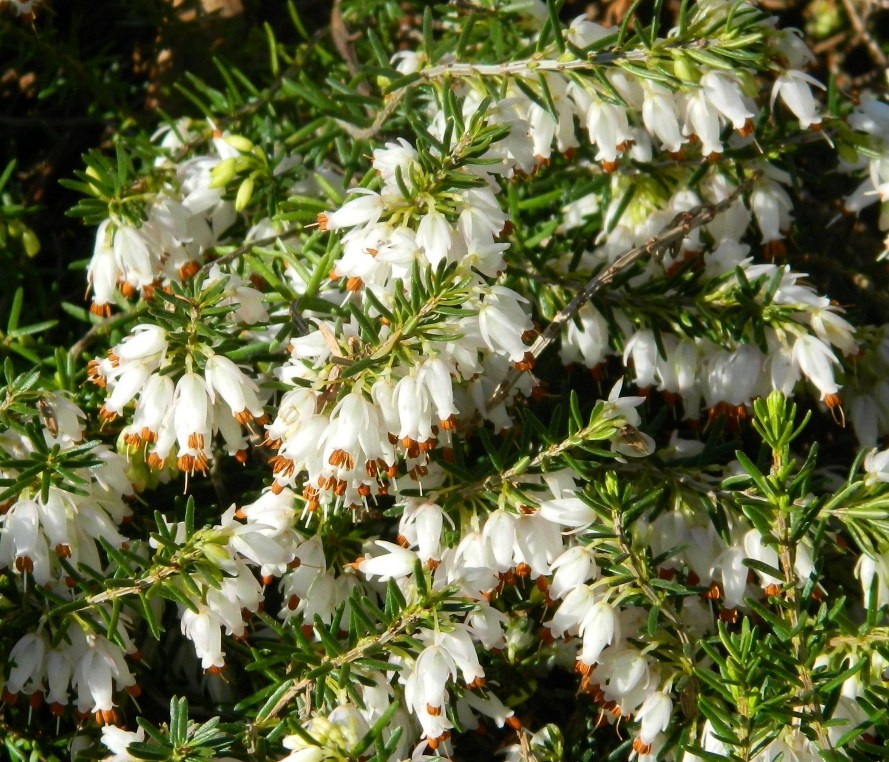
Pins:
<point x="434" y="236"/>
<point x="27" y="664"/>
<point x="365" y="208"/>
<point x="794" y="88"/>
<point x="573" y="568"/>
<point x="191" y="421"/>
<point x="203" y="630"/>
<point x="723" y="90"/>
<point x="659" y="112"/>
<point x="99" y="670"/>
<point x="654" y="716"/>
<point x="394" y="563"/>
<point x="814" y="358"/>
<point x="502" y="322"/>
<point x="599" y="628"/>
<point x="608" y="128"/>
<point x="642" y="350"/>
<point x="772" y="207"/>
<point x="238" y="391"/>
<point x="702" y="120"/>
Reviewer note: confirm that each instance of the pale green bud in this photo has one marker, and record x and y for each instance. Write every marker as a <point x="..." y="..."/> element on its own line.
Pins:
<point x="245" y="193"/>
<point x="223" y="173"/>
<point x="30" y="242"/>
<point x="239" y="142"/>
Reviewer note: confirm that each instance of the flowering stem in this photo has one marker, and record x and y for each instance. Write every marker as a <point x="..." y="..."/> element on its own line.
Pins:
<point x="658" y="599"/>
<point x="364" y="647"/>
<point x="248" y="247"/>
<point x="678" y="228"/>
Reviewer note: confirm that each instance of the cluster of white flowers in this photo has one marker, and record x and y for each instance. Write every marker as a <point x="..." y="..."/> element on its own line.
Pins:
<point x="266" y="542"/>
<point x="183" y="220"/>
<point x="420" y="333"/>
<point x="175" y="421"/>
<point x="40" y="530"/>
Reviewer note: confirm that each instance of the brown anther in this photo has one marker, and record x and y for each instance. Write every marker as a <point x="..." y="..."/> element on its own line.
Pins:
<point x="448" y="424"/>
<point x="774" y="250"/>
<point x="57" y="709"/>
<point x="609" y="166"/>
<point x="640" y="747"/>
<point x="522" y="570"/>
<point x="525" y="364"/>
<point x="155" y="461"/>
<point x="354" y="283"/>
<point x="729" y="616"/>
<point x="106" y="415"/>
<point x="63" y="550"/>
<point x="714" y="593"/>
<point x="106" y="716"/>
<point x="100" y="310"/>
<point x="9" y="698"/>
<point x="24" y="564"/>
<point x="514" y="722"/>
<point x="747" y="130"/>
<point x="277" y="488"/>
<point x="35" y="699"/>
<point x="267" y="579"/>
<point x="772" y="590"/>
<point x="241" y="456"/>
<point x="435" y="711"/>
<point x="245" y="416"/>
<point x="133" y="440"/>
<point x="281" y="464"/>
<point x="322" y="222"/>
<point x="134" y="690"/>
<point x="293" y="602"/>
<point x="188" y="270"/>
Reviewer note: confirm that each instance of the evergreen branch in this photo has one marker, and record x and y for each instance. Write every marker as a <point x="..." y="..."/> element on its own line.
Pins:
<point x="678" y="228"/>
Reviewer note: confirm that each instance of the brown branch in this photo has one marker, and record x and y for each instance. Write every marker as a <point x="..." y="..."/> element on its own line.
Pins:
<point x="248" y="247"/>
<point x="680" y="226"/>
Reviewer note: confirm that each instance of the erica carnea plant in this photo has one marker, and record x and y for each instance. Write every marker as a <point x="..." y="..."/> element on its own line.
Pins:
<point x="466" y="381"/>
